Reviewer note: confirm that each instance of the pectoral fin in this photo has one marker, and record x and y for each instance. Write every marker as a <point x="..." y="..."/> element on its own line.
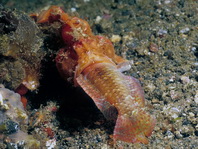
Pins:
<point x="136" y="90"/>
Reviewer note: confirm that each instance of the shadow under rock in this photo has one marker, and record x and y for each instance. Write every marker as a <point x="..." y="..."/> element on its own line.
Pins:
<point x="77" y="110"/>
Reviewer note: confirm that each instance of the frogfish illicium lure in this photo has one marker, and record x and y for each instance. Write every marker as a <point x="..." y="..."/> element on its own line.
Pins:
<point x="91" y="63"/>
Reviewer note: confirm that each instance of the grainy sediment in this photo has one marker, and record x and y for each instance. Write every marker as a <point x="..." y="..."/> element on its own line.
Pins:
<point x="160" y="38"/>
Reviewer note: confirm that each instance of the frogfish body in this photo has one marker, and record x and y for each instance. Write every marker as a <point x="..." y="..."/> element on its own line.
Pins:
<point x="91" y="63"/>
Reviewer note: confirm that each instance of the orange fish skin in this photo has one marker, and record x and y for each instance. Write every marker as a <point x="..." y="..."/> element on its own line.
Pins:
<point x="133" y="124"/>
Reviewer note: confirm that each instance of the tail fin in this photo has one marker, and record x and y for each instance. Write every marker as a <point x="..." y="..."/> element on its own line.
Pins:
<point x="134" y="128"/>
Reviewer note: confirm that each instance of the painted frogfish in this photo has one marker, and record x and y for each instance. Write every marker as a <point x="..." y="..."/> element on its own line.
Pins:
<point x="91" y="63"/>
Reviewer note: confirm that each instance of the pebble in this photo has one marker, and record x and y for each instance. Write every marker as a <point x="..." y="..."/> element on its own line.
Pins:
<point x="196" y="97"/>
<point x="155" y="101"/>
<point x="153" y="47"/>
<point x="193" y="49"/>
<point x="172" y="79"/>
<point x="105" y="146"/>
<point x="73" y="9"/>
<point x="196" y="127"/>
<point x="169" y="135"/>
<point x="187" y="130"/>
<point x="86" y="1"/>
<point x="174" y="94"/>
<point x="178" y="134"/>
<point x="162" y="32"/>
<point x="167" y="1"/>
<point x="115" y="38"/>
<point x="151" y="87"/>
<point x="191" y="114"/>
<point x="171" y="111"/>
<point x="185" y="79"/>
<point x="185" y="30"/>
<point x="50" y="144"/>
<point x="98" y="19"/>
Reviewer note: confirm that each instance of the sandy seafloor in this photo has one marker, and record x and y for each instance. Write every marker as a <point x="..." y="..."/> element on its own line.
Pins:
<point x="160" y="38"/>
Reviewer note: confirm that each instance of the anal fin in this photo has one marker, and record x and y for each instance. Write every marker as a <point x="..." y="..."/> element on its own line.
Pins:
<point x="109" y="111"/>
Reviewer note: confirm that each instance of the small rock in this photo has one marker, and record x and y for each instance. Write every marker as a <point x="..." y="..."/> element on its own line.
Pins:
<point x="167" y="1"/>
<point x="194" y="49"/>
<point x="50" y="144"/>
<point x="105" y="146"/>
<point x="196" y="97"/>
<point x="178" y="134"/>
<point x="172" y="79"/>
<point x="171" y="112"/>
<point x="169" y="135"/>
<point x="185" y="79"/>
<point x="196" y="127"/>
<point x="115" y="38"/>
<point x="98" y="19"/>
<point x="155" y="101"/>
<point x="151" y="87"/>
<point x="153" y="47"/>
<point x="191" y="114"/>
<point x="73" y="9"/>
<point x="187" y="130"/>
<point x="185" y="30"/>
<point x="86" y="1"/>
<point x="161" y="32"/>
<point x="174" y="94"/>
